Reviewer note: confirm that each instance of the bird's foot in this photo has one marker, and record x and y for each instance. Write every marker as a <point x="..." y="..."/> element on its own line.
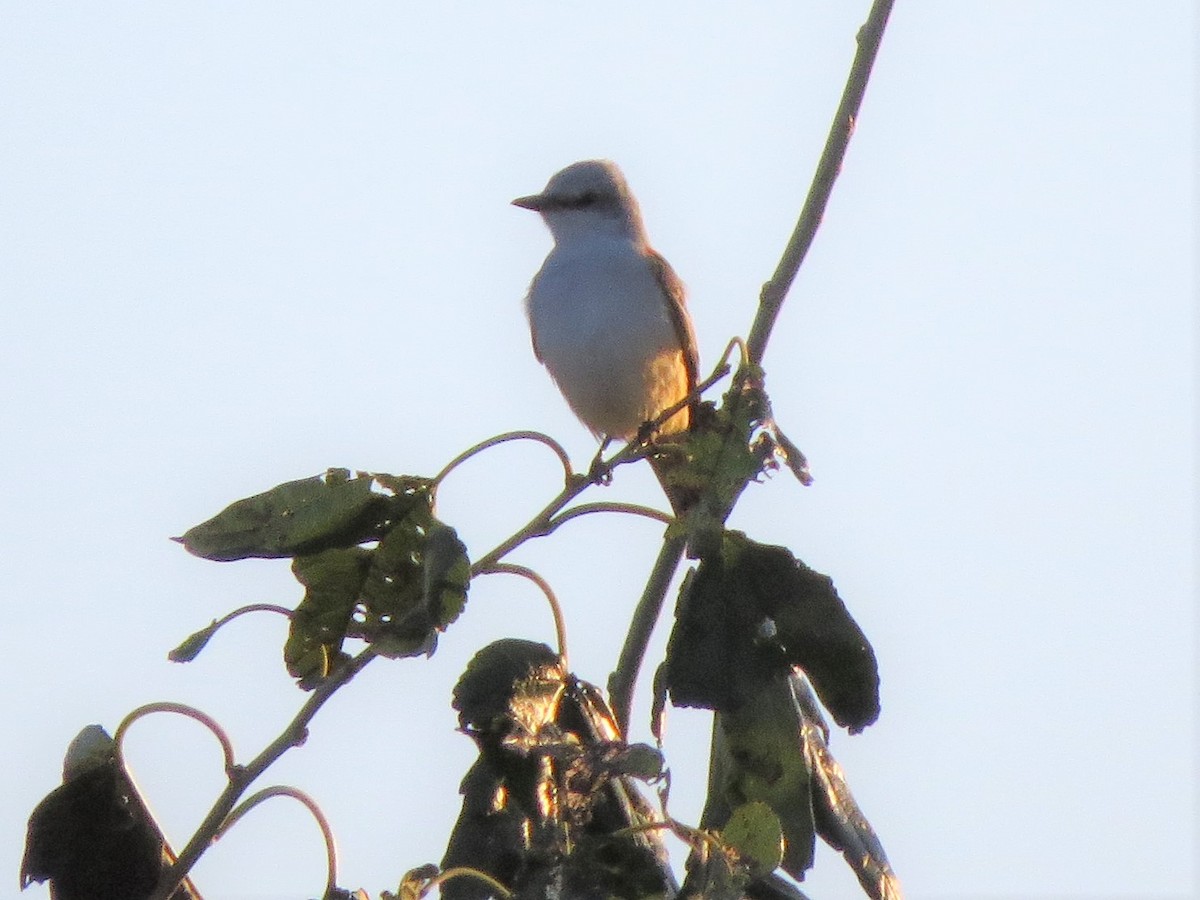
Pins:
<point x="600" y="472"/>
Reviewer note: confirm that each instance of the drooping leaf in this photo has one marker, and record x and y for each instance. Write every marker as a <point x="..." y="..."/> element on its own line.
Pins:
<point x="758" y="755"/>
<point x="841" y="822"/>
<point x="751" y="611"/>
<point x="816" y="633"/>
<point x="416" y="585"/>
<point x="715" y="657"/>
<point x="446" y="574"/>
<point x="333" y="581"/>
<point x="92" y="837"/>
<point x="296" y="517"/>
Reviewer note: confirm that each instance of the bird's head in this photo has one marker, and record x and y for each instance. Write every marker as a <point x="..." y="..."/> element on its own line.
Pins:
<point x="587" y="198"/>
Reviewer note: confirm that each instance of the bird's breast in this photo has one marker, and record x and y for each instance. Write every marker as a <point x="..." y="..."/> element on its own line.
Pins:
<point x="602" y="325"/>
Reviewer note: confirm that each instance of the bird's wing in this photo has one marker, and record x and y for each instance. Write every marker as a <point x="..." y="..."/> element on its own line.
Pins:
<point x="677" y="307"/>
<point x="537" y="352"/>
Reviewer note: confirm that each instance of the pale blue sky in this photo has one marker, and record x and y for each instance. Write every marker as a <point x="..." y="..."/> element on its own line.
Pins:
<point x="244" y="242"/>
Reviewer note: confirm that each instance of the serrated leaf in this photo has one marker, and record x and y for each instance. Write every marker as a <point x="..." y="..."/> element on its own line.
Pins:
<point x="754" y="831"/>
<point x="416" y="585"/>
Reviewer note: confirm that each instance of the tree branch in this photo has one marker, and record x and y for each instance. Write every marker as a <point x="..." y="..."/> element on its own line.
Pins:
<point x="649" y="607"/>
<point x="241" y="777"/>
<point x="830" y="165"/>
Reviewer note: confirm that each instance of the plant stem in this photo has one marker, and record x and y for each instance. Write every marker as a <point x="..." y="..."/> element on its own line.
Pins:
<point x="621" y="682"/>
<point x="641" y="626"/>
<point x="774" y="291"/>
<point x="242" y="777"/>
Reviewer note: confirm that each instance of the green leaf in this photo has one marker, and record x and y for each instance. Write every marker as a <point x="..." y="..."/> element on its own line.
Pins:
<point x="293" y="518"/>
<point x="416" y="585"/>
<point x="332" y="580"/>
<point x="713" y="459"/>
<point x="640" y="761"/>
<point x="758" y="755"/>
<point x="754" y="831"/>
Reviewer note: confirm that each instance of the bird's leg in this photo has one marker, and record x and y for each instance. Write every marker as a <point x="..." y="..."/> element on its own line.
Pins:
<point x="646" y="432"/>
<point x="599" y="472"/>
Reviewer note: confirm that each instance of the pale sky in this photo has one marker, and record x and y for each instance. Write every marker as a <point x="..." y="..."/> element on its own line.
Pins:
<point x="242" y="243"/>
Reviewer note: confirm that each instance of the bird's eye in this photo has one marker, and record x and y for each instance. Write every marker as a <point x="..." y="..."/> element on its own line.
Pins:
<point x="587" y="198"/>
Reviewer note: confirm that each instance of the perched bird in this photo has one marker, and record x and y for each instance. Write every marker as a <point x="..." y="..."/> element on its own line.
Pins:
<point x="606" y="311"/>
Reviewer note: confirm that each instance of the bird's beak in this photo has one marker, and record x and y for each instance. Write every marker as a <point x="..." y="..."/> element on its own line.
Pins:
<point x="536" y="202"/>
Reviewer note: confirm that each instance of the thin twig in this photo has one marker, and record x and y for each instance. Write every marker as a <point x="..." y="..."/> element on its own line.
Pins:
<point x="560" y="625"/>
<point x="608" y="506"/>
<point x="536" y="436"/>
<point x="311" y="805"/>
<point x="830" y="164"/>
<point x="641" y="626"/>
<point x="467" y="872"/>
<point x="242" y="777"/>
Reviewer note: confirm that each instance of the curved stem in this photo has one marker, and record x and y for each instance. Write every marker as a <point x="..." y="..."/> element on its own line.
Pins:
<point x="467" y="872"/>
<point x="560" y="627"/>
<point x="253" y="607"/>
<point x="632" y="509"/>
<point x="735" y="343"/>
<point x="280" y="790"/>
<point x="537" y="436"/>
<point x="241" y="777"/>
<point x="830" y="164"/>
<point x="181" y="709"/>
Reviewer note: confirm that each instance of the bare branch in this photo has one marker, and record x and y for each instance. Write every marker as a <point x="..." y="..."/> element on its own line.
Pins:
<point x="830" y="165"/>
<point x="311" y="805"/>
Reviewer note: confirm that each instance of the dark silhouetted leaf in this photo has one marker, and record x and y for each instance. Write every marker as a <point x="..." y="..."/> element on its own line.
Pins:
<point x="549" y="805"/>
<point x="93" y="837"/>
<point x="416" y="585"/>
<point x="816" y="633"/>
<point x="842" y="824"/>
<point x="749" y="613"/>
<point x="332" y="580"/>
